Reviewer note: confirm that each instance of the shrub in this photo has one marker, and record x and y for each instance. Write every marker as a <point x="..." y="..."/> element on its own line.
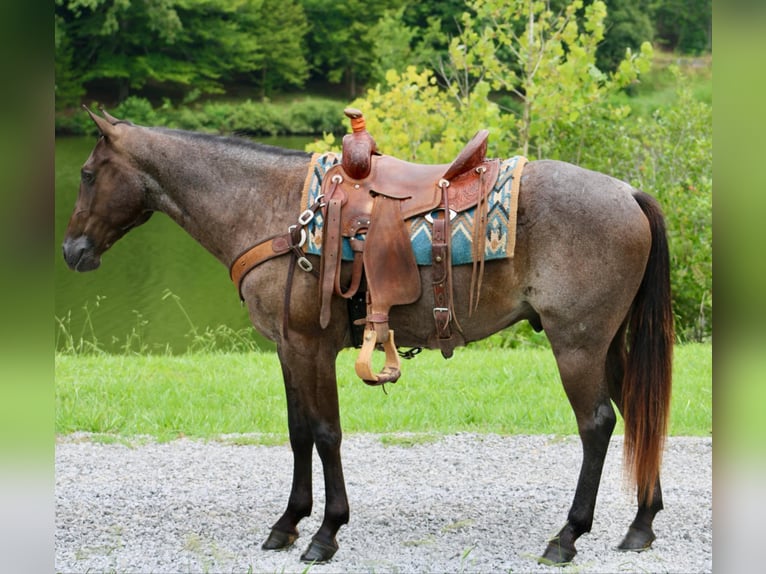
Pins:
<point x="309" y="116"/>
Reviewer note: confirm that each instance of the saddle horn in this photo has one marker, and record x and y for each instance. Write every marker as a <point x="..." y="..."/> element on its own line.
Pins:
<point x="358" y="146"/>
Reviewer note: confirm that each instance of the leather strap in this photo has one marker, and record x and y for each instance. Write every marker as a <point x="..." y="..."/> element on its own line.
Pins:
<point x="331" y="254"/>
<point x="250" y="259"/>
<point x="440" y="266"/>
<point x="478" y="242"/>
<point x="356" y="273"/>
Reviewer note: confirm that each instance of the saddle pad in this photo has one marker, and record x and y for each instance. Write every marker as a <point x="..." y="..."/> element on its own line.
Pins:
<point x="501" y="218"/>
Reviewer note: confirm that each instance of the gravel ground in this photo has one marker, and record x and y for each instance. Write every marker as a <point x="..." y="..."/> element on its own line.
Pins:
<point x="461" y="503"/>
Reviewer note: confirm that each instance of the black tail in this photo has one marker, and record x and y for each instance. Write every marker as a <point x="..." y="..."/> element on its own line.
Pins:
<point x="646" y="387"/>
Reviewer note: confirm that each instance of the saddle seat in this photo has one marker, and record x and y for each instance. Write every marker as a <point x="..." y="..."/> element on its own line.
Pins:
<point x="368" y="198"/>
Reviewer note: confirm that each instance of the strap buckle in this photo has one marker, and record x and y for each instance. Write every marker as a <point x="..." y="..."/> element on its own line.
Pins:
<point x="306" y="217"/>
<point x="443" y="310"/>
<point x="303" y="235"/>
<point x="305" y="264"/>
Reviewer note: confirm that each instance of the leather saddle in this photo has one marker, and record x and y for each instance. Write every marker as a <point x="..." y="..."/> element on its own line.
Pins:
<point x="368" y="198"/>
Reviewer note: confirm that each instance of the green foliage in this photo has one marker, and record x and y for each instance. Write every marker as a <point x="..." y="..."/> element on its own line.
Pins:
<point x="298" y="117"/>
<point x="124" y="45"/>
<point x="413" y="118"/>
<point x="281" y="26"/>
<point x="167" y="48"/>
<point x="685" y="26"/>
<point x="670" y="155"/>
<point x="341" y="42"/>
<point x="628" y="25"/>
<point x="69" y="88"/>
<point x="567" y="109"/>
<point x="392" y="44"/>
<point x="547" y="60"/>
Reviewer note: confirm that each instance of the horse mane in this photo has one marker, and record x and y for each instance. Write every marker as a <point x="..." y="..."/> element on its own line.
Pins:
<point x="233" y="141"/>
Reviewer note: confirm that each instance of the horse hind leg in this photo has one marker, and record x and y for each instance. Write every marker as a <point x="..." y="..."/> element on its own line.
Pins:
<point x="583" y="376"/>
<point x="640" y="534"/>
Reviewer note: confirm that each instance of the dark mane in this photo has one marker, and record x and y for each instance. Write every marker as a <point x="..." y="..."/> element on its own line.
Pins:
<point x="234" y="140"/>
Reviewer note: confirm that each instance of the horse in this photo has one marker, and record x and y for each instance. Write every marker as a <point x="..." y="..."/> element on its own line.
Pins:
<point x="590" y="269"/>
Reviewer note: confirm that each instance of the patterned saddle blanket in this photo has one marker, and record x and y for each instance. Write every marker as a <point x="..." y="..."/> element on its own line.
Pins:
<point x="500" y="230"/>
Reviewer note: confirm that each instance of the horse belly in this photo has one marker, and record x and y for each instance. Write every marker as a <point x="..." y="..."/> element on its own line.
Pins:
<point x="501" y="303"/>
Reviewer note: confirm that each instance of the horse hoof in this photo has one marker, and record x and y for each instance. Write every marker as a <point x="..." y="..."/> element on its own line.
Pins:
<point x="556" y="554"/>
<point x="637" y="540"/>
<point x="279" y="540"/>
<point x="319" y="552"/>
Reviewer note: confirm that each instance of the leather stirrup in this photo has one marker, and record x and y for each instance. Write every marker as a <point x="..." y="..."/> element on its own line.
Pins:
<point x="363" y="366"/>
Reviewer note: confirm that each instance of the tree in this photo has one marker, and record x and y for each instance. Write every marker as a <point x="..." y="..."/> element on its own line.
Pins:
<point x="69" y="88"/>
<point x="628" y="24"/>
<point x="339" y="43"/>
<point x="685" y="25"/>
<point x="547" y="61"/>
<point x="172" y="45"/>
<point x="281" y="28"/>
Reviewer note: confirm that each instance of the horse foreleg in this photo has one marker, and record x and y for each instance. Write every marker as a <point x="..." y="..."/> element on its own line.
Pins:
<point x="585" y="385"/>
<point x="314" y="420"/>
<point x="285" y="531"/>
<point x="327" y="437"/>
<point x="324" y="545"/>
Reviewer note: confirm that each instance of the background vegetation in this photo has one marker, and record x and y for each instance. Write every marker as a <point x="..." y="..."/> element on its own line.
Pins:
<point x="110" y="49"/>
<point x="590" y="82"/>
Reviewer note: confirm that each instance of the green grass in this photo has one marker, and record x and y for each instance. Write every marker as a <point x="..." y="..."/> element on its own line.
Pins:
<point x="209" y="396"/>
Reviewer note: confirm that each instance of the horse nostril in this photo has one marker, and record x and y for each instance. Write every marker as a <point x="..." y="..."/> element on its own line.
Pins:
<point x="78" y="254"/>
<point x="72" y="253"/>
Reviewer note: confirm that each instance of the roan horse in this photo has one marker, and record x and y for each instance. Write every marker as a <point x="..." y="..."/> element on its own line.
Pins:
<point x="591" y="268"/>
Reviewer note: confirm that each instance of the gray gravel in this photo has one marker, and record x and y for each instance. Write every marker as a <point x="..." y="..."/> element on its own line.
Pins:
<point x="460" y="503"/>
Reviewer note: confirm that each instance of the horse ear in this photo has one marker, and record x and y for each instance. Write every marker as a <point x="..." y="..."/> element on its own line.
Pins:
<point x="106" y="128"/>
<point x="112" y="120"/>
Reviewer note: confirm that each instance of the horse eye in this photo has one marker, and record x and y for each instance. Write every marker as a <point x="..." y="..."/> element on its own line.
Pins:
<point x="87" y="176"/>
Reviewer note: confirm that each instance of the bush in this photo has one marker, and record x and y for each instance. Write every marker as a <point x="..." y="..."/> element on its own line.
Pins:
<point x="309" y="116"/>
<point x="670" y="155"/>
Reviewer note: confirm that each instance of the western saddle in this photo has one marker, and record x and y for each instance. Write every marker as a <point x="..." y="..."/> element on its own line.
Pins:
<point x="367" y="198"/>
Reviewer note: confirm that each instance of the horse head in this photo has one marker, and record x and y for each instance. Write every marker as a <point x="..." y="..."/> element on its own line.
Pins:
<point x="111" y="200"/>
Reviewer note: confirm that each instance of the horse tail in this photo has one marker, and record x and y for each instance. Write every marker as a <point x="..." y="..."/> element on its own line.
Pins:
<point x="646" y="384"/>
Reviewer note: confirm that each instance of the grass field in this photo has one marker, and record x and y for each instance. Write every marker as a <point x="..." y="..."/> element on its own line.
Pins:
<point x="501" y="391"/>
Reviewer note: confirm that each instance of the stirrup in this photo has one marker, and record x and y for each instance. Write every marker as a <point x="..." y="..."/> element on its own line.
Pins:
<point x="363" y="366"/>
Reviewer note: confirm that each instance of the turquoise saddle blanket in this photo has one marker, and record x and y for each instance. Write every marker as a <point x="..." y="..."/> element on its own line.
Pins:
<point x="499" y="243"/>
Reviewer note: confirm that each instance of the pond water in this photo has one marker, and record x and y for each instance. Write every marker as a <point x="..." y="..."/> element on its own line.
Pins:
<point x="154" y="287"/>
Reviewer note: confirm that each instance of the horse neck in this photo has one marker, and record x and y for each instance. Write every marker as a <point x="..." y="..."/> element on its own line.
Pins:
<point x="227" y="193"/>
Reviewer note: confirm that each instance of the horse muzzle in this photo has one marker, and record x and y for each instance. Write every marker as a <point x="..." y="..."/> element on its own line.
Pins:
<point x="80" y="254"/>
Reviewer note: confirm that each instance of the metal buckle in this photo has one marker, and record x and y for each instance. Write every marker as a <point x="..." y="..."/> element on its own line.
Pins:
<point x="305" y="264"/>
<point x="443" y="310"/>
<point x="430" y="216"/>
<point x="305" y="217"/>
<point x="303" y="235"/>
